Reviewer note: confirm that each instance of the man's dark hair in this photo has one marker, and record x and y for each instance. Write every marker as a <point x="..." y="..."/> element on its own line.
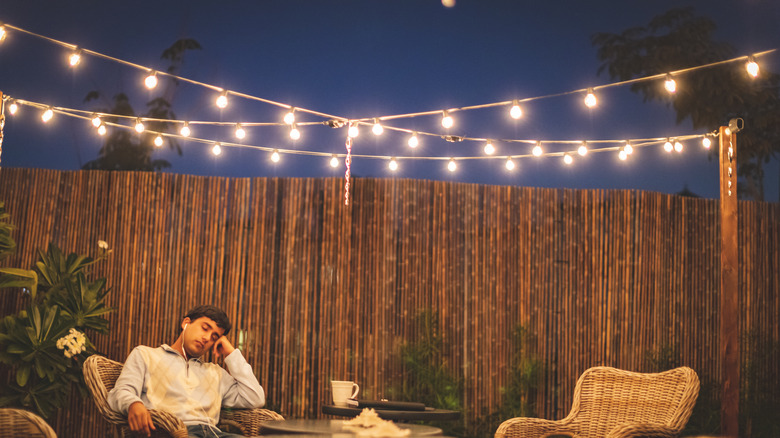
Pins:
<point x="214" y="313"/>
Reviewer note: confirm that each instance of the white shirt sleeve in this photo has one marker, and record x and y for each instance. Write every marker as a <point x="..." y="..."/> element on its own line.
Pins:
<point x="239" y="387"/>
<point x="130" y="384"/>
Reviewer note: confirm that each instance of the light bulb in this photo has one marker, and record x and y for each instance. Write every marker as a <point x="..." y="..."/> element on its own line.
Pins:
<point x="75" y="58"/>
<point x="489" y="149"/>
<point x="47" y="115"/>
<point x="139" y="126"/>
<point x="13" y="108"/>
<point x="622" y="155"/>
<point x="393" y="165"/>
<point x="102" y="129"/>
<point x="567" y="159"/>
<point x="583" y="149"/>
<point x="628" y="148"/>
<point x="752" y="67"/>
<point x="295" y="134"/>
<point x="240" y="133"/>
<point x="706" y="142"/>
<point x="678" y="146"/>
<point x="670" y="84"/>
<point x="727" y="131"/>
<point x="275" y="156"/>
<point x="158" y="141"/>
<point x="516" y="112"/>
<point x="590" y="99"/>
<point x="2" y="33"/>
<point x="222" y="100"/>
<point x="510" y="165"/>
<point x="96" y="122"/>
<point x="537" y="151"/>
<point x="185" y="130"/>
<point x="217" y="149"/>
<point x="151" y="80"/>
<point x="413" y="141"/>
<point x="377" y="129"/>
<point x="448" y="3"/>
<point x="451" y="166"/>
<point x="353" y="130"/>
<point x="289" y="118"/>
<point x="334" y="162"/>
<point x="668" y="146"/>
<point x="446" y="120"/>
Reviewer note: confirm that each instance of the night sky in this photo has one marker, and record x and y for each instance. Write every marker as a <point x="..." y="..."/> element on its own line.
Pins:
<point x="367" y="58"/>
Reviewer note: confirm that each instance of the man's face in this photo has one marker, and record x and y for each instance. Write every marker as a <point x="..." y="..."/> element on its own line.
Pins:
<point x="200" y="335"/>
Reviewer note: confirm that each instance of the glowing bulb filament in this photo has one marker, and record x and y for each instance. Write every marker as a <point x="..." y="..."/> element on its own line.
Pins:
<point x="151" y="80"/>
<point x="275" y="156"/>
<point x="510" y="165"/>
<point x="240" y="133"/>
<point x="622" y="155"/>
<point x="752" y="67"/>
<point x="451" y="166"/>
<point x="222" y="100"/>
<point x="96" y="121"/>
<point x="289" y="118"/>
<point x="2" y="33"/>
<point x="568" y="159"/>
<point x="75" y="58"/>
<point x="217" y="149"/>
<point x="489" y="149"/>
<point x="516" y="112"/>
<point x="678" y="146"/>
<point x="353" y="130"/>
<point x="185" y="130"/>
<point x="628" y="148"/>
<point x="334" y="161"/>
<point x="102" y="129"/>
<point x="413" y="141"/>
<point x="377" y="129"/>
<point x="139" y="126"/>
<point x="393" y="164"/>
<point x="668" y="147"/>
<point x="158" y="141"/>
<point x="590" y="99"/>
<point x="13" y="108"/>
<point x="446" y="120"/>
<point x="583" y="149"/>
<point x="670" y="84"/>
<point x="706" y="142"/>
<point x="295" y="134"/>
<point x="537" y="150"/>
<point x="47" y="115"/>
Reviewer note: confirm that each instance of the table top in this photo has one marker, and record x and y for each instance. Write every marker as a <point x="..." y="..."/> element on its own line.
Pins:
<point x="429" y="414"/>
<point x="332" y="427"/>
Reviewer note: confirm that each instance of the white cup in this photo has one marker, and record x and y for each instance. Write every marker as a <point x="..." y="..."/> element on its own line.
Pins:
<point x="343" y="390"/>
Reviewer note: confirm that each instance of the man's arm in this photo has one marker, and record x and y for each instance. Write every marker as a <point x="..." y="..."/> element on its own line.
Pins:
<point x="238" y="386"/>
<point x="125" y="397"/>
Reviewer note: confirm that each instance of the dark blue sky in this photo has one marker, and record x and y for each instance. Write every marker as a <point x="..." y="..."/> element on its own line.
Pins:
<point x="364" y="58"/>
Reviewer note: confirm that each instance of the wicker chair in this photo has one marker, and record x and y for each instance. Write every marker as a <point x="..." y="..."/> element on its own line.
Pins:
<point x="100" y="375"/>
<point x="613" y="403"/>
<point x="16" y="423"/>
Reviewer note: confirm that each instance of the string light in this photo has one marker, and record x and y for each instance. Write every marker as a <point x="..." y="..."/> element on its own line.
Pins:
<point x="75" y="57"/>
<point x="289" y="118"/>
<point x="537" y="150"/>
<point x="678" y="146"/>
<point x="96" y="122"/>
<point x="752" y="67"/>
<point x="727" y="131"/>
<point x="670" y="84"/>
<point x="567" y="159"/>
<point x="240" y="132"/>
<point x="510" y="165"/>
<point x="334" y="161"/>
<point x="413" y="141"/>
<point x="151" y="80"/>
<point x="13" y="108"/>
<point x="590" y="99"/>
<point x="489" y="149"/>
<point x="222" y="100"/>
<point x="628" y="148"/>
<point x="295" y="134"/>
<point x="448" y="3"/>
<point x="353" y="130"/>
<point x="393" y="164"/>
<point x="47" y="115"/>
<point x="451" y="166"/>
<point x="185" y="130"/>
<point x="2" y="33"/>
<point x="102" y="130"/>
<point x="377" y="129"/>
<point x="515" y="112"/>
<point x="446" y="120"/>
<point x="583" y="149"/>
<point x="275" y="156"/>
<point x="217" y="149"/>
<point x="668" y="147"/>
<point x="706" y="142"/>
<point x="622" y="154"/>
<point x="158" y="141"/>
<point x="139" y="126"/>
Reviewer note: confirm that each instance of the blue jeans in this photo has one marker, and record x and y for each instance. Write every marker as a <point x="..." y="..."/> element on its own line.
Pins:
<point x="205" y="431"/>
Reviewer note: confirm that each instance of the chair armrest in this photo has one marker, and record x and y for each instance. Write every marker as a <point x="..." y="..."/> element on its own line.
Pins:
<point x="644" y="430"/>
<point x="249" y="419"/>
<point x="524" y="427"/>
<point x="168" y="422"/>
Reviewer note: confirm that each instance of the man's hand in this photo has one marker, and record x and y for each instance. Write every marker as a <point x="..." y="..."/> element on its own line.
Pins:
<point x="139" y="419"/>
<point x="223" y="347"/>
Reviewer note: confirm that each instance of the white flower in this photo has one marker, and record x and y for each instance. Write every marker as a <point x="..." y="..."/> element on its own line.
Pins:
<point x="102" y="244"/>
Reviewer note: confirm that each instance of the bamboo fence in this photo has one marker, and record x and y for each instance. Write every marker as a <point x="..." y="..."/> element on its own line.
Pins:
<point x="318" y="290"/>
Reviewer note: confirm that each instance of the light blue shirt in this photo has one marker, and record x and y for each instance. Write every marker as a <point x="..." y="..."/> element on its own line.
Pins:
<point x="192" y="390"/>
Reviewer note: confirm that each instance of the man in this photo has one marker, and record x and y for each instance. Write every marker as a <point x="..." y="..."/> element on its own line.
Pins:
<point x="175" y="379"/>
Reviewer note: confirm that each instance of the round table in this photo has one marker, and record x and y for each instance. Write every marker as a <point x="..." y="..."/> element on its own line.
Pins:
<point x="332" y="427"/>
<point x="429" y="414"/>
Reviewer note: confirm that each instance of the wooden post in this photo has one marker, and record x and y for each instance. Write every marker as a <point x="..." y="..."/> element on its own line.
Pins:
<point x="729" y="281"/>
<point x="2" y="123"/>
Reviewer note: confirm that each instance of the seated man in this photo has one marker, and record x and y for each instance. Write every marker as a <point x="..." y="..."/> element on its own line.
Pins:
<point x="175" y="379"/>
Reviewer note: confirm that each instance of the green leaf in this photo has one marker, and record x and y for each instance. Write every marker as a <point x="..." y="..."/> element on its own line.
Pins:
<point x="22" y="375"/>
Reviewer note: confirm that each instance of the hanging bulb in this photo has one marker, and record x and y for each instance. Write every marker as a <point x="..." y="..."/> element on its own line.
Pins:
<point x="706" y="142"/>
<point x="275" y="156"/>
<point x="510" y="165"/>
<point x="377" y="129"/>
<point x="446" y="120"/>
<point x="289" y="118"/>
<point x="448" y="3"/>
<point x="2" y="33"/>
<point x="489" y="149"/>
<point x="96" y="122"/>
<point x="516" y="112"/>
<point x="451" y="166"/>
<point x="567" y="159"/>
<point x="583" y="149"/>
<point x="668" y="146"/>
<point x="393" y="164"/>
<point x="590" y="99"/>
<point x="158" y="141"/>
<point x="139" y="126"/>
<point x="334" y="161"/>
<point x="151" y="80"/>
<point x="678" y="146"/>
<point x="75" y="57"/>
<point x="295" y="134"/>
<point x="217" y="149"/>
<point x="670" y="84"/>
<point x="47" y="115"/>
<point x="353" y="129"/>
<point x="185" y="130"/>
<point x="413" y="141"/>
<point x="537" y="151"/>
<point x="13" y="108"/>
<point x="752" y="67"/>
<point x="102" y="130"/>
<point x="623" y="155"/>
<point x="222" y="100"/>
<point x="628" y="148"/>
<point x="240" y="132"/>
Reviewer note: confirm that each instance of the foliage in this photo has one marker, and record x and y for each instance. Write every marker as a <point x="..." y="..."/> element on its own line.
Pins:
<point x="124" y="149"/>
<point x="709" y="97"/>
<point x="43" y="374"/>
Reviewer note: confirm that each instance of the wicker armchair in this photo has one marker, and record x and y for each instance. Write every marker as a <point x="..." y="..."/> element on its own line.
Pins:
<point x="16" y="423"/>
<point x="100" y="374"/>
<point x="613" y="403"/>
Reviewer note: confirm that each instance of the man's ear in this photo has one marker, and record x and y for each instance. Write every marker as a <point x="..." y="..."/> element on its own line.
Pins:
<point x="185" y="322"/>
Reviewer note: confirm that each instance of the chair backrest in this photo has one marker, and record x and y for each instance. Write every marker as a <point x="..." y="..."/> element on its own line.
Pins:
<point x="17" y="422"/>
<point x="100" y="374"/>
<point x="606" y="397"/>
